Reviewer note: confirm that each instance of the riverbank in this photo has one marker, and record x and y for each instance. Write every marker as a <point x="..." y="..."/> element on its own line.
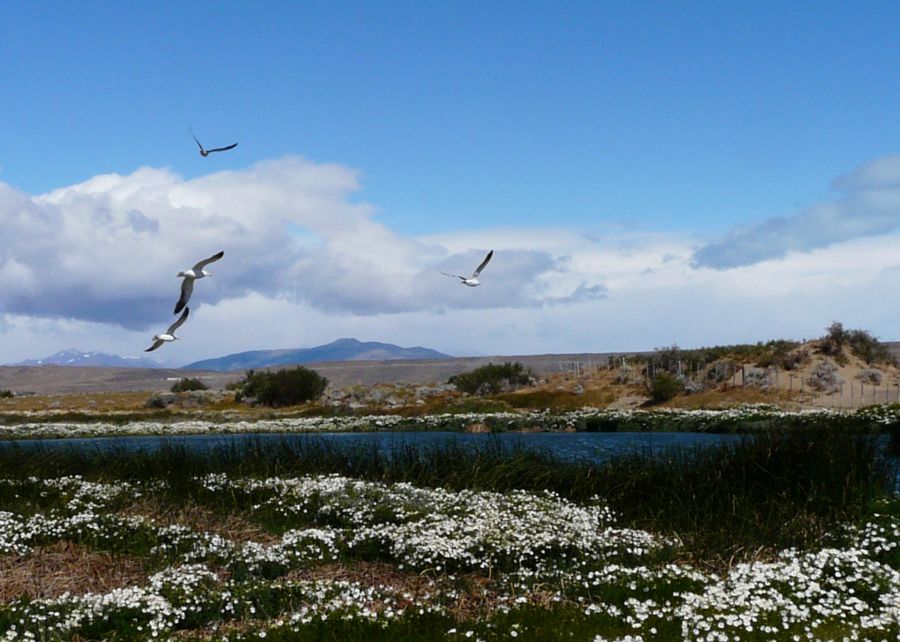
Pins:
<point x="792" y="533"/>
<point x="740" y="420"/>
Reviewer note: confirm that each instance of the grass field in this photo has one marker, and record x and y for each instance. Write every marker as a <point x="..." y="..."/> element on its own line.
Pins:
<point x="790" y="533"/>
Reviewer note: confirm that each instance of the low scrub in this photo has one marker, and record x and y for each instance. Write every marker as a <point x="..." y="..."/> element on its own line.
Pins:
<point x="860" y="343"/>
<point x="188" y="384"/>
<point x="279" y="388"/>
<point x="494" y="378"/>
<point x="664" y="386"/>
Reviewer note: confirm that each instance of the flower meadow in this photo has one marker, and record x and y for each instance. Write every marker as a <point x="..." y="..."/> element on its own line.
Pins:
<point x="739" y="419"/>
<point x="231" y="556"/>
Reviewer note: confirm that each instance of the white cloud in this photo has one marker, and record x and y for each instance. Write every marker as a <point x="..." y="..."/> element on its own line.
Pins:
<point x="108" y="249"/>
<point x="869" y="206"/>
<point x="93" y="266"/>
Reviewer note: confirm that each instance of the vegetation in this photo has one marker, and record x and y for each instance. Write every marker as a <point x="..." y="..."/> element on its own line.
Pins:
<point x="287" y="387"/>
<point x="306" y="539"/>
<point x="664" y="386"/>
<point x="780" y="352"/>
<point x="187" y="384"/>
<point x="860" y="342"/>
<point x="492" y="379"/>
<point x="776" y="488"/>
<point x="6" y="394"/>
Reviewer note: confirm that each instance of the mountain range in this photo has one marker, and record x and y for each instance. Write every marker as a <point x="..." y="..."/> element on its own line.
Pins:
<point x="340" y="350"/>
<point x="75" y="357"/>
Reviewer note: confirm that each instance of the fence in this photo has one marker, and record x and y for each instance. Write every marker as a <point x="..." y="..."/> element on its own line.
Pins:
<point x="848" y="394"/>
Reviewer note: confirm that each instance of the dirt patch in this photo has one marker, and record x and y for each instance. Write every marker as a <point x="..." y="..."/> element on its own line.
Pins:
<point x="49" y="571"/>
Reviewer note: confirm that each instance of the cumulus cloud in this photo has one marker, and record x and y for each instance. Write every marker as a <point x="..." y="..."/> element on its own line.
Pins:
<point x="107" y="250"/>
<point x="869" y="205"/>
<point x="93" y="266"/>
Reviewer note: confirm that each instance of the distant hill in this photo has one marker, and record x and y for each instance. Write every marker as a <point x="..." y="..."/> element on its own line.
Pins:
<point x="75" y="357"/>
<point x="340" y="350"/>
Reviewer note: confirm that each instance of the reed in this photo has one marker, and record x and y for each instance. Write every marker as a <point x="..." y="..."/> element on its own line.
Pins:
<point x="775" y="489"/>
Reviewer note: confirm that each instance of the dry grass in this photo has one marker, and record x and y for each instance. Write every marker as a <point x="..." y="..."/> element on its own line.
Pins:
<point x="201" y="519"/>
<point x="64" y="567"/>
<point x="77" y="402"/>
<point x="729" y="396"/>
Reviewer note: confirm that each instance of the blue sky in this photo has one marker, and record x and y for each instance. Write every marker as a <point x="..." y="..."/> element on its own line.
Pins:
<point x="720" y="127"/>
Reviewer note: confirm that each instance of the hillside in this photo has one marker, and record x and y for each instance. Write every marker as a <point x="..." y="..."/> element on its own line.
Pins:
<point x="340" y="350"/>
<point x="75" y="357"/>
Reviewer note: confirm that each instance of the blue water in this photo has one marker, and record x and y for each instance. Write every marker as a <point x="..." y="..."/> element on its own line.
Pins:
<point x="596" y="447"/>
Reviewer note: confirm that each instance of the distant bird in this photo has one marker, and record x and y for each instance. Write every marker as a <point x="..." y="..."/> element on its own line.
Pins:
<point x="473" y="281"/>
<point x="206" y="152"/>
<point x="196" y="272"/>
<point x="168" y="335"/>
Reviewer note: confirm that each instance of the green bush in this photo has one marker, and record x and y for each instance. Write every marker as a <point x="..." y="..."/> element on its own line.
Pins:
<point x="491" y="379"/>
<point x="6" y="394"/>
<point x="861" y="343"/>
<point x="187" y="384"/>
<point x="664" y="386"/>
<point x="283" y="387"/>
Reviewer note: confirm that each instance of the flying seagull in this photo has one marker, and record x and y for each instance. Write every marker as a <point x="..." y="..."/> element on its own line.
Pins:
<point x="206" y="152"/>
<point x="196" y="272"/>
<point x="168" y="335"/>
<point x="473" y="281"/>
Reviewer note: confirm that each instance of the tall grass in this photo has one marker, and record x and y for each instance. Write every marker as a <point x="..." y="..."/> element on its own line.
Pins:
<point x="772" y="490"/>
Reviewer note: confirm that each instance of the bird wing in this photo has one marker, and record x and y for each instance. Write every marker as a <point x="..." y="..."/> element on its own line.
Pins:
<point x="187" y="287"/>
<point x="456" y="276"/>
<point x="177" y="324"/>
<point x="202" y="264"/>
<point x="155" y="345"/>
<point x="483" y="263"/>
<point x="195" y="140"/>
<point x="222" y="149"/>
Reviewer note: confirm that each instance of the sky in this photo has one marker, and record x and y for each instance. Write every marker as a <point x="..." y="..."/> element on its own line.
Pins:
<point x="648" y="174"/>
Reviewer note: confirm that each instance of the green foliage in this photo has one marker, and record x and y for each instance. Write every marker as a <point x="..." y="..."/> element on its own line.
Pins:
<point x="491" y="379"/>
<point x="860" y="342"/>
<point x="869" y="349"/>
<point x="283" y="387"/>
<point x="785" y="486"/>
<point x="664" y="386"/>
<point x="6" y="394"/>
<point x="775" y="352"/>
<point x="187" y="384"/>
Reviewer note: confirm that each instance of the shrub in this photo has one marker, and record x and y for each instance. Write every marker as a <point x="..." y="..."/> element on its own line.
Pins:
<point x="283" y="387"/>
<point x="491" y="379"/>
<point x="6" y="394"/>
<point x="861" y="343"/>
<point x="832" y="344"/>
<point x="871" y="375"/>
<point x="868" y="348"/>
<point x="825" y="377"/>
<point x="187" y="384"/>
<point x="664" y="386"/>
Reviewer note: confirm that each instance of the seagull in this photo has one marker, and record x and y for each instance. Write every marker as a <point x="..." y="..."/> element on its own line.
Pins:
<point x="473" y="281"/>
<point x="168" y="335"/>
<point x="206" y="152"/>
<point x="196" y="272"/>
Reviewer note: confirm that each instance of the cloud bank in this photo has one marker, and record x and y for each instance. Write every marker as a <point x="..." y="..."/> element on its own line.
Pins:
<point x="107" y="250"/>
<point x="93" y="266"/>
<point x="869" y="205"/>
